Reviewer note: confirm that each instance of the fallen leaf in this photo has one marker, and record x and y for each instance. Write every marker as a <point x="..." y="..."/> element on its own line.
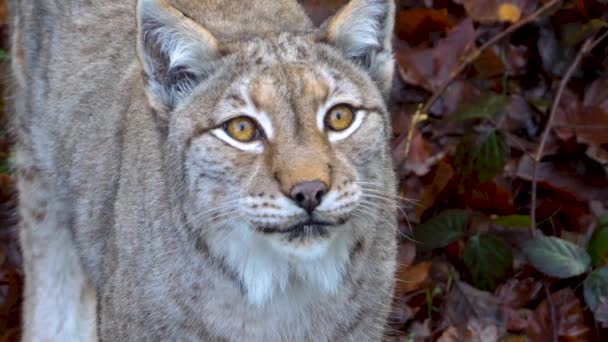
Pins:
<point x="441" y="178"/>
<point x="569" y="319"/>
<point x="415" y="25"/>
<point x="474" y="312"/>
<point x="490" y="196"/>
<point x="421" y="330"/>
<point x="592" y="122"/>
<point x="549" y="176"/>
<point x="489" y="64"/>
<point x="411" y="278"/>
<point x="516" y="293"/>
<point x="601" y="312"/>
<point x="450" y="334"/>
<point x="518" y="319"/>
<point x="430" y="67"/>
<point x="567" y="110"/>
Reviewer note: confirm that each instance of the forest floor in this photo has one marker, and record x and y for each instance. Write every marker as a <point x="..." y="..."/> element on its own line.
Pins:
<point x="500" y="119"/>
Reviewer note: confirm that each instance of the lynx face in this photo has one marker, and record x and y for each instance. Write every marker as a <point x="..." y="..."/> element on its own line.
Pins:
<point x="279" y="145"/>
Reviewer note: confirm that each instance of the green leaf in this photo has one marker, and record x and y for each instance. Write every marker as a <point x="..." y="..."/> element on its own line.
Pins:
<point x="519" y="221"/>
<point x="541" y="103"/>
<point x="3" y="56"/>
<point x="483" y="107"/>
<point x="598" y="246"/>
<point x="587" y="30"/>
<point x="596" y="287"/>
<point x="603" y="221"/>
<point x="493" y="155"/>
<point x="441" y="230"/>
<point x="488" y="259"/>
<point x="556" y="257"/>
<point x="465" y="155"/>
<point x="482" y="160"/>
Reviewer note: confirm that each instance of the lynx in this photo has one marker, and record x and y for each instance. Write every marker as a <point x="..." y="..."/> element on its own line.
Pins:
<point x="213" y="170"/>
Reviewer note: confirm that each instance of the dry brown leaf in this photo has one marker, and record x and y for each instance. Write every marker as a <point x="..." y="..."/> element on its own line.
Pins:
<point x="489" y="64"/>
<point x="458" y="93"/>
<point x="450" y="334"/>
<point x="411" y="278"/>
<point x="516" y="293"/>
<point x="569" y="318"/>
<point x="518" y="319"/>
<point x="441" y="177"/>
<point x="559" y="179"/>
<point x="601" y="312"/>
<point x="421" y="330"/>
<point x="420" y="159"/>
<point x="592" y="122"/>
<point x="565" y="114"/>
<point x="416" y="24"/>
<point x="3" y="13"/>
<point x="430" y="67"/>
<point x="475" y="313"/>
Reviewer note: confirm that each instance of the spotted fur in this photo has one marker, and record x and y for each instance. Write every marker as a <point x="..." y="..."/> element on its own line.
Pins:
<point x="143" y="220"/>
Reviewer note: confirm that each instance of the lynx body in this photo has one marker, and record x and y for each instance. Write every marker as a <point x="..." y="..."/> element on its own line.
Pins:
<point x="212" y="170"/>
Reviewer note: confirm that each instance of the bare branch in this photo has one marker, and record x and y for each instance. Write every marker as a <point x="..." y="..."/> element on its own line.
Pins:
<point x="588" y="45"/>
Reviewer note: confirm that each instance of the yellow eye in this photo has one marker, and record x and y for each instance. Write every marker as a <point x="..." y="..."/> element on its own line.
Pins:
<point x="242" y="128"/>
<point x="339" y="118"/>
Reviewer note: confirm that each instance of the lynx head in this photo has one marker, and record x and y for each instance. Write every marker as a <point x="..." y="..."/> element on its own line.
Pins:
<point x="278" y="143"/>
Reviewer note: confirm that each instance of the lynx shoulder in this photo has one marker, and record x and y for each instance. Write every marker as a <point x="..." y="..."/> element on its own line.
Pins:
<point x="213" y="170"/>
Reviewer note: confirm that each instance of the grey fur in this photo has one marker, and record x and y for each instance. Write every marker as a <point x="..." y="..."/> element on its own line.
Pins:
<point x="119" y="172"/>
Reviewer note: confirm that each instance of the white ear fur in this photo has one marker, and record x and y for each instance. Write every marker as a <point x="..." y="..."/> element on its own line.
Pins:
<point x="363" y="31"/>
<point x="176" y="52"/>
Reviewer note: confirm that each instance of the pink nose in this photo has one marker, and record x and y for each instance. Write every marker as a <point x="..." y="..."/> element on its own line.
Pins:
<point x="308" y="195"/>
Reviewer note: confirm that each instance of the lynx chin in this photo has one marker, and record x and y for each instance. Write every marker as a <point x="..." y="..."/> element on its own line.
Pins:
<point x="214" y="170"/>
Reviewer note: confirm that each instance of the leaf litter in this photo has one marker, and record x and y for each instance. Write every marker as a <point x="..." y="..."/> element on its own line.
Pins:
<point x="476" y="273"/>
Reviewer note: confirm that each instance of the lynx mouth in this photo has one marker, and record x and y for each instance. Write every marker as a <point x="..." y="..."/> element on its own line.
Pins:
<point x="306" y="229"/>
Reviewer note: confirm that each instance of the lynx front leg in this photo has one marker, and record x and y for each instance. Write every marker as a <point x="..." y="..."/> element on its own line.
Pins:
<point x="59" y="300"/>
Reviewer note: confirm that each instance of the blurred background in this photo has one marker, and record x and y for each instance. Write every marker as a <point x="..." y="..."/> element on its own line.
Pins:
<point x="500" y="127"/>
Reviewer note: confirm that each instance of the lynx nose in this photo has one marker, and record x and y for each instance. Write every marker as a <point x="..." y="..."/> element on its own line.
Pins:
<point x="308" y="194"/>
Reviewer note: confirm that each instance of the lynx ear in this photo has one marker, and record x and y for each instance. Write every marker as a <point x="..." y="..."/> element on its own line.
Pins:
<point x="363" y="31"/>
<point x="176" y="53"/>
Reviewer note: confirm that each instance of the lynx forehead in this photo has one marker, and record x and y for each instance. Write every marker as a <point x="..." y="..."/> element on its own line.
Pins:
<point x="213" y="170"/>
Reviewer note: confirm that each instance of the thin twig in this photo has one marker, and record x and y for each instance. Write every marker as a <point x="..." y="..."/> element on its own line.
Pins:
<point x="551" y="313"/>
<point x="470" y="58"/>
<point x="588" y="45"/>
<point x="417" y="118"/>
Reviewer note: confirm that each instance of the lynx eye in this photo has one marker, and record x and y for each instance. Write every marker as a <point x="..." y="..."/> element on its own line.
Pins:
<point x="339" y="118"/>
<point x="243" y="129"/>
